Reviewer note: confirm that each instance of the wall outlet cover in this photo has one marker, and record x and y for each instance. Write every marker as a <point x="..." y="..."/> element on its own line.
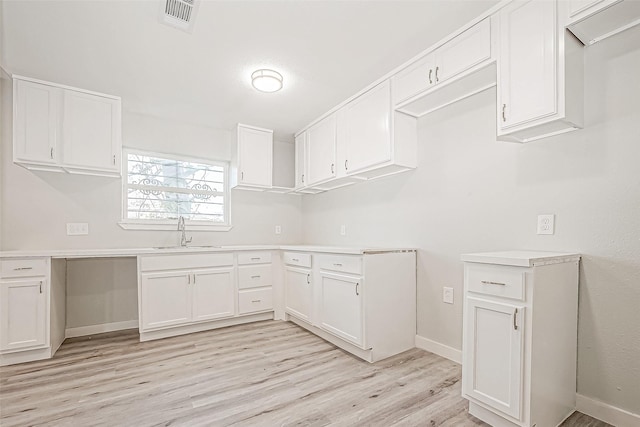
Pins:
<point x="447" y="295"/>
<point x="546" y="224"/>
<point x="77" y="228"/>
<point x="278" y="229"/>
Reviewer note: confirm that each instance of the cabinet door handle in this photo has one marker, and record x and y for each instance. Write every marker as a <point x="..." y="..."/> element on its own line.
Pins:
<point x="303" y="178"/>
<point x="255" y="277"/>
<point x="188" y="279"/>
<point x="504" y="112"/>
<point x="255" y="259"/>
<point x="515" y="319"/>
<point x="51" y="152"/>
<point x="357" y="284"/>
<point x="487" y="282"/>
<point x="437" y="78"/>
<point x="40" y="286"/>
<point x="241" y="176"/>
<point x="256" y="300"/>
<point x="337" y="264"/>
<point x="295" y="259"/>
<point x="194" y="278"/>
<point x="308" y="279"/>
<point x="22" y="268"/>
<point x="430" y="73"/>
<point x="346" y="165"/>
<point x="332" y="167"/>
<point x="114" y="159"/>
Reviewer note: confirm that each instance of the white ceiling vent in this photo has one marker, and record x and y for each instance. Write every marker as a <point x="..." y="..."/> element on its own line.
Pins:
<point x="179" y="13"/>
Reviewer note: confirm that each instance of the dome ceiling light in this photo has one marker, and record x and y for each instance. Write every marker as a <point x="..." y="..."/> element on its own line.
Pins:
<point x="266" y="80"/>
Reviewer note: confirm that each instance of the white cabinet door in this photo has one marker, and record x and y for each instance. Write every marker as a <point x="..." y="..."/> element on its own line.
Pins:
<point x="341" y="306"/>
<point x="493" y="356"/>
<point x="464" y="51"/>
<point x="367" y="129"/>
<point x="166" y="299"/>
<point x="414" y="79"/>
<point x="255" y="157"/>
<point x="23" y="314"/>
<point x="91" y="132"/>
<point x="36" y="121"/>
<point x="298" y="292"/>
<point x="527" y="73"/>
<point x="321" y="145"/>
<point x="301" y="160"/>
<point x="213" y="294"/>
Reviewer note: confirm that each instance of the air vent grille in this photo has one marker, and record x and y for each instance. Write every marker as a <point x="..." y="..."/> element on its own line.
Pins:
<point x="179" y="9"/>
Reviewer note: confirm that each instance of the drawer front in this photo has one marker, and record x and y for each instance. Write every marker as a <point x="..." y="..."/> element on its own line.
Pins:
<point x="500" y="281"/>
<point x="296" y="258"/>
<point x="185" y="261"/>
<point x="24" y="267"/>
<point x="254" y="276"/>
<point x="253" y="300"/>
<point x="341" y="263"/>
<point x="254" y="258"/>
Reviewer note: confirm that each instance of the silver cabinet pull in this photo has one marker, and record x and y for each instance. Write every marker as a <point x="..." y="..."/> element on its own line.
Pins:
<point x="194" y="278"/>
<point x="52" y="152"/>
<point x="255" y="277"/>
<point x="346" y="165"/>
<point x="515" y="319"/>
<point x="437" y="78"/>
<point x="504" y="112"/>
<point x="308" y="278"/>
<point x="430" y="73"/>
<point x="295" y="259"/>
<point x="337" y="264"/>
<point x="22" y="268"/>
<point x="303" y="178"/>
<point x="332" y="167"/>
<point x="188" y="279"/>
<point x="241" y="176"/>
<point x="487" y="282"/>
<point x="114" y="159"/>
<point x="256" y="300"/>
<point x="40" y="286"/>
<point x="255" y="258"/>
<point x="357" y="288"/>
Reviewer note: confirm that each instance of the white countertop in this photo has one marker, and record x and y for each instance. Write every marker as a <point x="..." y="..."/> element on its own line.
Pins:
<point x="521" y="258"/>
<point x="131" y="252"/>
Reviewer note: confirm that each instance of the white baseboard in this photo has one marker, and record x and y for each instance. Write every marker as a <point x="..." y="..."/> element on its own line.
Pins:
<point x="605" y="412"/>
<point x="439" y="349"/>
<point x="99" y="329"/>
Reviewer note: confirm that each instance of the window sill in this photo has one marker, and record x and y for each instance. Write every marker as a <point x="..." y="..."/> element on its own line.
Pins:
<point x="171" y="226"/>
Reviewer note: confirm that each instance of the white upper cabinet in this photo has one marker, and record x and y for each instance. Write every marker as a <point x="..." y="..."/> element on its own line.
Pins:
<point x="448" y="73"/>
<point x="540" y="73"/>
<point x="301" y="160"/>
<point x="252" y="162"/>
<point x="91" y="129"/>
<point x="321" y="146"/>
<point x="57" y="128"/>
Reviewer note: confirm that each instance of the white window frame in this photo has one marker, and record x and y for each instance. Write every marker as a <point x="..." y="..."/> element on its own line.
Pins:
<point x="165" y="224"/>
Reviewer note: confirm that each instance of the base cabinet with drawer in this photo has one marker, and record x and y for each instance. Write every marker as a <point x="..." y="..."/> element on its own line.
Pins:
<point x="363" y="303"/>
<point x="255" y="282"/>
<point x="520" y="337"/>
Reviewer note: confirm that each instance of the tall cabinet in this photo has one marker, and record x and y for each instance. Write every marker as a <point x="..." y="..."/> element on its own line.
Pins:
<point x="520" y="337"/>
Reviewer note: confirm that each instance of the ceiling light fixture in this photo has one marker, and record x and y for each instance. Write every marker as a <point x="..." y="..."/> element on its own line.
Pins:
<point x="266" y="80"/>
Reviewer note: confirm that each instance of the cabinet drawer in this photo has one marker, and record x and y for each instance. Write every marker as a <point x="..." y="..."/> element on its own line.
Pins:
<point x="296" y="258"/>
<point x="253" y="300"/>
<point x="24" y="267"/>
<point x="342" y="263"/>
<point x="254" y="258"/>
<point x="254" y="276"/>
<point x="500" y="281"/>
<point x="185" y="261"/>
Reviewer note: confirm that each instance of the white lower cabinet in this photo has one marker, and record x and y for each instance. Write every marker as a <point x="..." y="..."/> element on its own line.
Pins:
<point x="213" y="291"/>
<point x="255" y="282"/>
<point x="341" y="306"/>
<point x="166" y="299"/>
<point x="520" y="337"/>
<point x="363" y="303"/>
<point x="23" y="322"/>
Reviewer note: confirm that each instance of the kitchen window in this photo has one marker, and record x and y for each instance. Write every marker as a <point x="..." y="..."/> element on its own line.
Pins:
<point x="159" y="188"/>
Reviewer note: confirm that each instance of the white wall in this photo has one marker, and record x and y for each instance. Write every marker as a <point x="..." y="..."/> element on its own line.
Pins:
<point x="471" y="193"/>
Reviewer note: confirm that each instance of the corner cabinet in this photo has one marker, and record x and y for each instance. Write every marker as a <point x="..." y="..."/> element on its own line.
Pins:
<point x="346" y="299"/>
<point x="252" y="158"/>
<point x="520" y="337"/>
<point x="540" y="72"/>
<point x="61" y="129"/>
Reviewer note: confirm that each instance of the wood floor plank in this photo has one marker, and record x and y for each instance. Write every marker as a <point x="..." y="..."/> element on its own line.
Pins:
<point x="260" y="374"/>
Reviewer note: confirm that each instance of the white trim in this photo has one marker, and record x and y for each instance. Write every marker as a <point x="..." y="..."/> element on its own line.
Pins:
<point x="606" y="412"/>
<point x="99" y="329"/>
<point x="440" y="349"/>
<point x="75" y="89"/>
<point x="170" y="226"/>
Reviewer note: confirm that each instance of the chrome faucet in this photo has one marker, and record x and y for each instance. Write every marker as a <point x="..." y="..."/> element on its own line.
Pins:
<point x="183" y="238"/>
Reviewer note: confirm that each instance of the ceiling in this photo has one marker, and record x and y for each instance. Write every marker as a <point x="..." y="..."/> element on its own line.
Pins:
<point x="326" y="51"/>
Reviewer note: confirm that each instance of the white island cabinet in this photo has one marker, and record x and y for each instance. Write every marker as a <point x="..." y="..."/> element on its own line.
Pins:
<point x="520" y="337"/>
<point x="363" y="301"/>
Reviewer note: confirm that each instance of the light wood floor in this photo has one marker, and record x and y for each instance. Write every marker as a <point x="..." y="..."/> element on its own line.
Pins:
<point x="261" y="374"/>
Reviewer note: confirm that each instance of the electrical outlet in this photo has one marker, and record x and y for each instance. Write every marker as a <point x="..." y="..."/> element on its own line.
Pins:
<point x="343" y="230"/>
<point x="77" y="229"/>
<point x="278" y="229"/>
<point x="546" y="224"/>
<point x="447" y="295"/>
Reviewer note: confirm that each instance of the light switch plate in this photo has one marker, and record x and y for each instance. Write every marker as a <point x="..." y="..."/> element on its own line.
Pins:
<point x="546" y="224"/>
<point x="77" y="228"/>
<point x="343" y="230"/>
<point x="447" y="295"/>
<point x="278" y="229"/>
